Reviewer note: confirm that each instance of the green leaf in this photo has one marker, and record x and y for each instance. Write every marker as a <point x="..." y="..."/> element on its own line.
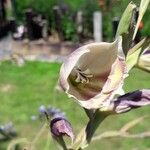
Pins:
<point x="84" y="137"/>
<point x="126" y="27"/>
<point x="124" y="23"/>
<point x="132" y="59"/>
<point x="134" y="53"/>
<point x="142" y="10"/>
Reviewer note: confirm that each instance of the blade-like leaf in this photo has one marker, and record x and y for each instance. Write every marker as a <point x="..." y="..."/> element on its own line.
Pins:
<point x="133" y="54"/>
<point x="142" y="10"/>
<point x="124" y="23"/>
<point x="126" y="27"/>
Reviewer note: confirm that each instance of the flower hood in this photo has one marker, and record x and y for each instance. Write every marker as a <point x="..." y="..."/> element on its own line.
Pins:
<point x="94" y="73"/>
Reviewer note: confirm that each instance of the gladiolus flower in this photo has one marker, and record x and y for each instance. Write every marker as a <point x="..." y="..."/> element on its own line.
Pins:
<point x="94" y="73"/>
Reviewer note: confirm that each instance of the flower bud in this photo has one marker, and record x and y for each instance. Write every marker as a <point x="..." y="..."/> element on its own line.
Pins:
<point x="61" y="127"/>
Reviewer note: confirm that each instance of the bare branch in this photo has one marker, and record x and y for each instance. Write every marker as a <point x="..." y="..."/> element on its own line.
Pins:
<point x="132" y="123"/>
<point x="108" y="134"/>
<point x="123" y="132"/>
<point x="142" y="135"/>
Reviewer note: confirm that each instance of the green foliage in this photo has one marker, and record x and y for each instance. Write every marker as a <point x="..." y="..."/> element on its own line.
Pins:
<point x="117" y="9"/>
<point x="88" y="7"/>
<point x="142" y="9"/>
<point x="43" y="7"/>
<point x="146" y="31"/>
<point x="68" y="27"/>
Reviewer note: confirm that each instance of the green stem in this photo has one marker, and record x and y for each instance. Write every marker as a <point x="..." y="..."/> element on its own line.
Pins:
<point x="61" y="142"/>
<point x="33" y="143"/>
<point x="93" y="125"/>
<point x="85" y="136"/>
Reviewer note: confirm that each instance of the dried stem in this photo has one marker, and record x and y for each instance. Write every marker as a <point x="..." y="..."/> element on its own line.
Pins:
<point x="37" y="137"/>
<point x="123" y="132"/>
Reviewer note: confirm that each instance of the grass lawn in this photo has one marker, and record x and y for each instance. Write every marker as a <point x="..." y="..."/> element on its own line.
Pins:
<point x="24" y="89"/>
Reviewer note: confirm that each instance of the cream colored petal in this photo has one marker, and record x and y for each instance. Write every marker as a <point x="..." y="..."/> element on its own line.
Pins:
<point x="115" y="77"/>
<point x="68" y="65"/>
<point x="112" y="87"/>
<point x="93" y="74"/>
<point x="93" y="66"/>
<point x="100" y="57"/>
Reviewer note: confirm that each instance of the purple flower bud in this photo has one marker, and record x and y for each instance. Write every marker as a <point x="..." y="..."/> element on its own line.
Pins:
<point x="55" y="112"/>
<point x="146" y="52"/>
<point x="1" y="127"/>
<point x="7" y="126"/>
<point x="42" y="109"/>
<point x="8" y="130"/>
<point x="51" y="111"/>
<point x="131" y="100"/>
<point x="60" y="127"/>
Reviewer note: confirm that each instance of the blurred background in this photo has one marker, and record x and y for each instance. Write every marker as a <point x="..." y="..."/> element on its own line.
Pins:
<point x="35" y="38"/>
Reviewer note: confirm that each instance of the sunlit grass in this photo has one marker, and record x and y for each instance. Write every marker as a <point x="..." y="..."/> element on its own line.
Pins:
<point x="24" y="89"/>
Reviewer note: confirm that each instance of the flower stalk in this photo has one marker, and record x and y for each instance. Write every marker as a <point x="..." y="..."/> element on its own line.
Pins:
<point x="84" y="138"/>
